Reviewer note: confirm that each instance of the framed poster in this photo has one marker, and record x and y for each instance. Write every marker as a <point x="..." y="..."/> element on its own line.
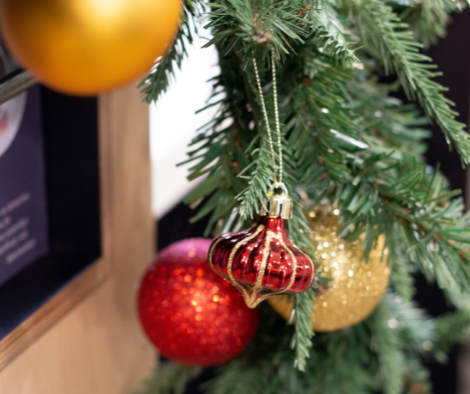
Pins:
<point x="50" y="223"/>
<point x="23" y="218"/>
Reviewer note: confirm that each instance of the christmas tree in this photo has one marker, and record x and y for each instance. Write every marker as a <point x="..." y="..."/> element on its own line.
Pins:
<point x="349" y="146"/>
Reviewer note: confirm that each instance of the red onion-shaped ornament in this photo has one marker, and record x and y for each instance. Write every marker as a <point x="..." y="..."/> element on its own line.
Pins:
<point x="262" y="261"/>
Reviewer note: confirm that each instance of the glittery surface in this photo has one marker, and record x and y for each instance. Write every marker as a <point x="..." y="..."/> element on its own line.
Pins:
<point x="262" y="261"/>
<point x="191" y="314"/>
<point x="356" y="287"/>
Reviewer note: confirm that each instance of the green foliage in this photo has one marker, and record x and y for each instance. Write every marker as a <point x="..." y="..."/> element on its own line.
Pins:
<point x="387" y="345"/>
<point x="349" y="143"/>
<point x="386" y="38"/>
<point x="428" y="19"/>
<point x="449" y="330"/>
<point x="158" y="81"/>
<point x="301" y="340"/>
<point x="171" y="378"/>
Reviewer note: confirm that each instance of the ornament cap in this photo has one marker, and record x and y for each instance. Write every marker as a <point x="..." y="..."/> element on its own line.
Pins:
<point x="277" y="203"/>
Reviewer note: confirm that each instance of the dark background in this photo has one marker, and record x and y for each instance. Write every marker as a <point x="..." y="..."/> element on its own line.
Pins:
<point x="452" y="55"/>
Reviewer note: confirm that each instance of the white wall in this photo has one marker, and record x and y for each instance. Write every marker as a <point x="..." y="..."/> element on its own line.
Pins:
<point x="173" y="123"/>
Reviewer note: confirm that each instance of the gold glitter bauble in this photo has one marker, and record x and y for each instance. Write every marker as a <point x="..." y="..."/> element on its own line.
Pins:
<point x="356" y="286"/>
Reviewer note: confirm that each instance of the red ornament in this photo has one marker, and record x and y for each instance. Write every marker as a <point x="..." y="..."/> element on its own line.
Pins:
<point x="190" y="314"/>
<point x="262" y="261"/>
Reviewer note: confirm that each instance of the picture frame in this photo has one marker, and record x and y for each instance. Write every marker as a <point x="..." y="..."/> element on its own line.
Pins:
<point x="35" y="298"/>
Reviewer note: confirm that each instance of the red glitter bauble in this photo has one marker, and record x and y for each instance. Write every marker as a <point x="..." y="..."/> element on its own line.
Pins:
<point x="190" y="314"/>
<point x="262" y="261"/>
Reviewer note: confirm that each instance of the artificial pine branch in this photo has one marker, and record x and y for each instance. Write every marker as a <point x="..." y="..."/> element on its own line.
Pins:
<point x="259" y="182"/>
<point x="386" y="343"/>
<point x="331" y="35"/>
<point x="302" y="339"/>
<point x="388" y="39"/>
<point x="449" y="330"/>
<point x="170" y="378"/>
<point x="429" y="19"/>
<point x="158" y="81"/>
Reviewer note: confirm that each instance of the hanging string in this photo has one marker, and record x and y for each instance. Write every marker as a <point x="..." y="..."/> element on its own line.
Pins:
<point x="276" y="113"/>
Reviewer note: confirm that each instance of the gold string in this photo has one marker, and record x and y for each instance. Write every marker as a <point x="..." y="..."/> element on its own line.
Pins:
<point x="276" y="112"/>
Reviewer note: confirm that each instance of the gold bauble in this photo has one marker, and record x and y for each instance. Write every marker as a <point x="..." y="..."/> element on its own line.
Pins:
<point x="84" y="47"/>
<point x="356" y="287"/>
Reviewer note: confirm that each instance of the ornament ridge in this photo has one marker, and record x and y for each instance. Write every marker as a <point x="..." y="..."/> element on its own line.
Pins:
<point x="255" y="293"/>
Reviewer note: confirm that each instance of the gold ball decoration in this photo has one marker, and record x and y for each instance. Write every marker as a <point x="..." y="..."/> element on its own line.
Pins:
<point x="356" y="287"/>
<point x="84" y="47"/>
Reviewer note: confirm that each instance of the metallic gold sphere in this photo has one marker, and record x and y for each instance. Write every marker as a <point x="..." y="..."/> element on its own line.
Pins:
<point x="356" y="286"/>
<point x="84" y="47"/>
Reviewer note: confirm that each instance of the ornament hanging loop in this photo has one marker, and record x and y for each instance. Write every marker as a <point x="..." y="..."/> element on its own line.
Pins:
<point x="276" y="114"/>
<point x="277" y="203"/>
<point x="266" y="120"/>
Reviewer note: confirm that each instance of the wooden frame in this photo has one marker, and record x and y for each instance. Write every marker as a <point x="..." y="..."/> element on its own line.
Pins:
<point x="15" y="83"/>
<point x="34" y="326"/>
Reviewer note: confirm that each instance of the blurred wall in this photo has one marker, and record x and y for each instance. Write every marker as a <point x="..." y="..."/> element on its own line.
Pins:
<point x="173" y="123"/>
